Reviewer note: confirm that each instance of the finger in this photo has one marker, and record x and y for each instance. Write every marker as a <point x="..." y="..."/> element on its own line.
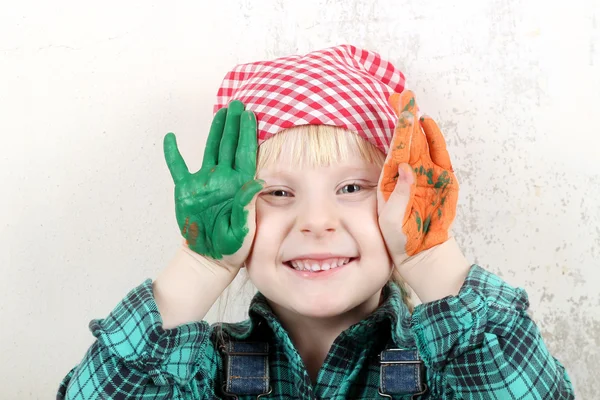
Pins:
<point x="437" y="143"/>
<point x="404" y="192"/>
<point x="175" y="162"/>
<point x="245" y="156"/>
<point x="398" y="153"/>
<point x="419" y="151"/>
<point x="231" y="133"/>
<point x="404" y="101"/>
<point x="211" y="150"/>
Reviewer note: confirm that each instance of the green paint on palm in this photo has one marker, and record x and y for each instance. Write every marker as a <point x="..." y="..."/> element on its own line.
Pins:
<point x="418" y="218"/>
<point x="440" y="212"/>
<point x="443" y="180"/>
<point x="426" y="225"/>
<point x="429" y="174"/>
<point x="210" y="205"/>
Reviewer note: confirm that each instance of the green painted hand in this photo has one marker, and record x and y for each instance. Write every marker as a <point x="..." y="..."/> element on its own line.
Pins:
<point x="215" y="207"/>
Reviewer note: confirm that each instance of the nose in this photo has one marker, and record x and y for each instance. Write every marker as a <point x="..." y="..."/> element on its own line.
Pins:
<point x="318" y="216"/>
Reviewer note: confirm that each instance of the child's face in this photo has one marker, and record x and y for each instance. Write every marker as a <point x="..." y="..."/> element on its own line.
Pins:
<point x="308" y="213"/>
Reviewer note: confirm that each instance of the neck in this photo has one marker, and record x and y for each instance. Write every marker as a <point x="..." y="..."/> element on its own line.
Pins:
<point x="314" y="336"/>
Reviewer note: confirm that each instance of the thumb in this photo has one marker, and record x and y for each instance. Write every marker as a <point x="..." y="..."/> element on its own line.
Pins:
<point x="404" y="192"/>
<point x="231" y="230"/>
<point x="244" y="207"/>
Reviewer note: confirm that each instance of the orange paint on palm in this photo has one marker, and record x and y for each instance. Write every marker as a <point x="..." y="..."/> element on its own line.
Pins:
<point x="434" y="192"/>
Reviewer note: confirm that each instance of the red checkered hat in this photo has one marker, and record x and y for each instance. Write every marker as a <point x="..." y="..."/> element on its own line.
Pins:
<point x="342" y="86"/>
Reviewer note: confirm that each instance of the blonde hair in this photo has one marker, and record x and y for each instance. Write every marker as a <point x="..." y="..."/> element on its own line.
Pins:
<point x="316" y="145"/>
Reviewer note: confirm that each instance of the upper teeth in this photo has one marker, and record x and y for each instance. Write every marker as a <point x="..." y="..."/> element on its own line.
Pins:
<point x="318" y="265"/>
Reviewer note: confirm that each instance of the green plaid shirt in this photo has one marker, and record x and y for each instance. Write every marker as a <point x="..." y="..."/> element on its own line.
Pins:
<point x="480" y="344"/>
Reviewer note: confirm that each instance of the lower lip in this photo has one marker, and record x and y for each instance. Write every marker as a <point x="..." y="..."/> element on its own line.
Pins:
<point x="318" y="274"/>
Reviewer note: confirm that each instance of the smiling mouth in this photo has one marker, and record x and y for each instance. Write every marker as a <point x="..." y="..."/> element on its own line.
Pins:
<point x="319" y="265"/>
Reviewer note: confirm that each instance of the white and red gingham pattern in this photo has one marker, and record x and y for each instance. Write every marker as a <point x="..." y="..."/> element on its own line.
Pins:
<point x="342" y="86"/>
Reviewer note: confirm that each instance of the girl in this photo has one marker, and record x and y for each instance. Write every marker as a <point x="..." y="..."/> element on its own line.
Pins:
<point x="330" y="230"/>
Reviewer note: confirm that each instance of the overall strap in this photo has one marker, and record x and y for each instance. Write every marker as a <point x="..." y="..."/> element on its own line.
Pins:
<point x="402" y="372"/>
<point x="246" y="369"/>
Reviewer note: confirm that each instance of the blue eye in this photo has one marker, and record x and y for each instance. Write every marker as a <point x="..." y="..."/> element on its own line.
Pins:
<point x="352" y="188"/>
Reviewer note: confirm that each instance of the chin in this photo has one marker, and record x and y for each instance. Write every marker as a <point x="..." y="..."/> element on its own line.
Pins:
<point x="321" y="308"/>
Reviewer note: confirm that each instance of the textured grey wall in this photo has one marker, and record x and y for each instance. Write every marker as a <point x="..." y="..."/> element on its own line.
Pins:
<point x="88" y="91"/>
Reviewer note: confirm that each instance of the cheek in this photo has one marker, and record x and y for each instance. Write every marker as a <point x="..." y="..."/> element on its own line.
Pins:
<point x="270" y="231"/>
<point x="363" y="214"/>
<point x="267" y="243"/>
<point x="269" y="220"/>
<point x="367" y="233"/>
<point x="364" y="227"/>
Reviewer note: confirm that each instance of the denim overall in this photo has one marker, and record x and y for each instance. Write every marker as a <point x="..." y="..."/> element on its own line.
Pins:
<point x="247" y="371"/>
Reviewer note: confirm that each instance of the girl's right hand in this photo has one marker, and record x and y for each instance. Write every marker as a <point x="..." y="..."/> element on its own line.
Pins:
<point x="215" y="207"/>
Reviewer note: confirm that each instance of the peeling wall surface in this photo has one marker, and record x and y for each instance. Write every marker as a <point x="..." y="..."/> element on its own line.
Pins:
<point x="88" y="90"/>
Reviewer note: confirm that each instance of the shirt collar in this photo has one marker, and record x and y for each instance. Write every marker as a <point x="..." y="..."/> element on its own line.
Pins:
<point x="392" y="314"/>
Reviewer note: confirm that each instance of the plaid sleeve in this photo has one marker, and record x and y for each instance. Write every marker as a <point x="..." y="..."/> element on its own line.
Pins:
<point x="134" y="357"/>
<point x="482" y="343"/>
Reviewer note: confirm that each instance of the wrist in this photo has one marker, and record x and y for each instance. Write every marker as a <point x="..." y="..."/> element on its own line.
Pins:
<point x="202" y="263"/>
<point x="436" y="272"/>
<point x="188" y="287"/>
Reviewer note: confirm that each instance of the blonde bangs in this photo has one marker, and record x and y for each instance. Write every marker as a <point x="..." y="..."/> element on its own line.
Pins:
<point x="314" y="146"/>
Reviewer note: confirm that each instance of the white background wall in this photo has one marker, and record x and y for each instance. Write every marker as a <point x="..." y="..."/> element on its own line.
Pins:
<point x="88" y="90"/>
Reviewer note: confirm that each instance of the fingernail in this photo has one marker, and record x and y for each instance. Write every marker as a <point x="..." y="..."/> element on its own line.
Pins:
<point x="405" y="173"/>
<point x="407" y="115"/>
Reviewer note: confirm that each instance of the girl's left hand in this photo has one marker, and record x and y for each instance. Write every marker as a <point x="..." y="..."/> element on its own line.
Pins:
<point x="417" y="190"/>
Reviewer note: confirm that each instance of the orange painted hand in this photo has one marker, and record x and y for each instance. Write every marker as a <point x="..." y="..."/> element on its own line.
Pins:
<point x="418" y="190"/>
